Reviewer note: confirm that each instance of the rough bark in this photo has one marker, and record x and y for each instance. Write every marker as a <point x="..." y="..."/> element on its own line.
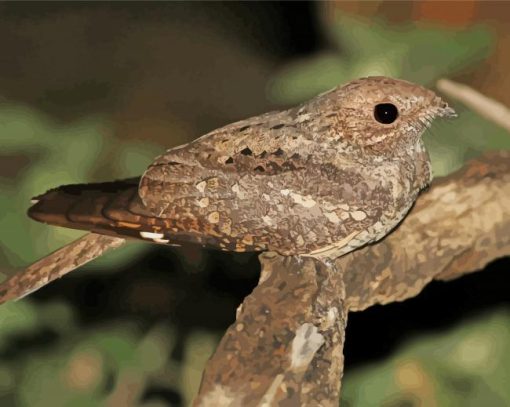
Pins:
<point x="55" y="265"/>
<point x="456" y="227"/>
<point x="286" y="346"/>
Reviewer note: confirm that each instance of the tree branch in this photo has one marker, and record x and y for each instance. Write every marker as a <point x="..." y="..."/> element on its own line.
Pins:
<point x="286" y="346"/>
<point x="55" y="265"/>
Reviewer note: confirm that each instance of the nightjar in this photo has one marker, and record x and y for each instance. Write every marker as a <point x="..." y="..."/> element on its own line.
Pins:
<point x="321" y="179"/>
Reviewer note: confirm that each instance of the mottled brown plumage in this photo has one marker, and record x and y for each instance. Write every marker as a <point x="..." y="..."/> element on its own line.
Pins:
<point x="323" y="178"/>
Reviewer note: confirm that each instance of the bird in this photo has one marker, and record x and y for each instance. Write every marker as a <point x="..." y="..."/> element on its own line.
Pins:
<point x="321" y="179"/>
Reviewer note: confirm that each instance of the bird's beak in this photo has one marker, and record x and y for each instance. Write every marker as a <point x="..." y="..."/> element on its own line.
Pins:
<point x="444" y="110"/>
<point x="447" y="112"/>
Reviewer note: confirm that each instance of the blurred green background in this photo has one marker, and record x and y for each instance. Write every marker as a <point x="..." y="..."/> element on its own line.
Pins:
<point x="92" y="92"/>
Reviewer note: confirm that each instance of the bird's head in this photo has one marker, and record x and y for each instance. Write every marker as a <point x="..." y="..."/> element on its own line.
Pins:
<point x="383" y="114"/>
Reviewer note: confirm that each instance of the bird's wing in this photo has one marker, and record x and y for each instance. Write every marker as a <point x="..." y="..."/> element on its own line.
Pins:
<point x="258" y="185"/>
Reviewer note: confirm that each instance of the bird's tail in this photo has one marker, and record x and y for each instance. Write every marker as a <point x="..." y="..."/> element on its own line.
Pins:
<point x="111" y="208"/>
<point x="115" y="209"/>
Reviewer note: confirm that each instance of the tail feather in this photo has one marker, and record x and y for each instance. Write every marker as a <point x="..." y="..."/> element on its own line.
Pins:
<point x="115" y="209"/>
<point x="101" y="207"/>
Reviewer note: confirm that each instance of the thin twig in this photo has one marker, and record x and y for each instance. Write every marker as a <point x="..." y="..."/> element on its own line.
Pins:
<point x="55" y="265"/>
<point x="486" y="107"/>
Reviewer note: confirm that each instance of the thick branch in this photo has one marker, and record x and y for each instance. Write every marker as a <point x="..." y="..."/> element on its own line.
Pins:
<point x="57" y="264"/>
<point x="286" y="346"/>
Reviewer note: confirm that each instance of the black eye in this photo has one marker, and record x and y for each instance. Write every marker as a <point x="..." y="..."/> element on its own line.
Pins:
<point x="385" y="113"/>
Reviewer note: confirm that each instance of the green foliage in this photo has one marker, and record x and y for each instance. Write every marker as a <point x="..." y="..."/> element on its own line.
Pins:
<point x="51" y="154"/>
<point x="79" y="366"/>
<point x="419" y="55"/>
<point x="465" y="366"/>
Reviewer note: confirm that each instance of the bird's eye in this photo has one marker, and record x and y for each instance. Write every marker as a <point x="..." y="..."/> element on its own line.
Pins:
<point x="385" y="113"/>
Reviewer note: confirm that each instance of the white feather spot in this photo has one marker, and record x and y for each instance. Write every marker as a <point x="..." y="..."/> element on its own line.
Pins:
<point x="332" y="316"/>
<point x="237" y="190"/>
<point x="304" y="117"/>
<point x="201" y="186"/>
<point x="151" y="235"/>
<point x="344" y="215"/>
<point x="161" y="240"/>
<point x="204" y="202"/>
<point x="300" y="241"/>
<point x="267" y="220"/>
<point x="378" y="226"/>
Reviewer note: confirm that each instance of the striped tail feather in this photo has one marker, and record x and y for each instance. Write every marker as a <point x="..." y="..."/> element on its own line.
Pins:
<point x="110" y="211"/>
<point x="109" y="208"/>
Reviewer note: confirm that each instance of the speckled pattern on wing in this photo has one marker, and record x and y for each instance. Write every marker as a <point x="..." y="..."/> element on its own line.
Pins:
<point x="323" y="178"/>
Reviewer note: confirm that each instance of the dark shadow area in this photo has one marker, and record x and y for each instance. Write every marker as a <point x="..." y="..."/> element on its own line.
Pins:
<point x="377" y="332"/>
<point x="135" y="60"/>
<point x="159" y="286"/>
